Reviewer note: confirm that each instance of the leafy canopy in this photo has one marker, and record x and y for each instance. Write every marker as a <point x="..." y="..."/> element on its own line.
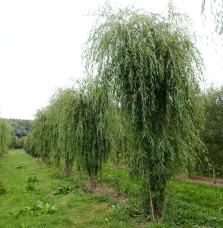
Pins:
<point x="152" y="67"/>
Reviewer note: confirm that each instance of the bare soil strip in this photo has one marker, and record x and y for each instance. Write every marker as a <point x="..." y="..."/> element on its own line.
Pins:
<point x="202" y="180"/>
<point x="195" y="179"/>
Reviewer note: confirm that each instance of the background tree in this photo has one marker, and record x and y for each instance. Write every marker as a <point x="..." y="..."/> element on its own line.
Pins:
<point x="21" y="128"/>
<point x="66" y="113"/>
<point x="41" y="134"/>
<point x="5" y="136"/>
<point x="30" y="145"/>
<point x="152" y="67"/>
<point x="14" y="140"/>
<point x="75" y="127"/>
<point x="212" y="134"/>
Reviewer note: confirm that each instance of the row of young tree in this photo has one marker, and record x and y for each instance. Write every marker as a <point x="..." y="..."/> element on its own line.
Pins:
<point x="5" y="136"/>
<point x="212" y="133"/>
<point x="73" y="127"/>
<point x="141" y="98"/>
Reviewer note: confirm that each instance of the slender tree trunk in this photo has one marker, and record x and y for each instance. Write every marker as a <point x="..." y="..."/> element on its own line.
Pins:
<point x="79" y="176"/>
<point x="95" y="176"/>
<point x="159" y="204"/>
<point x="70" y="169"/>
<point x="91" y="182"/>
<point x="214" y="175"/>
<point x="126" y="165"/>
<point x="65" y="168"/>
<point x="150" y="194"/>
<point x="95" y="182"/>
<point x="57" y="161"/>
<point x="68" y="166"/>
<point x="161" y="212"/>
<point x="188" y="169"/>
<point x="188" y="172"/>
<point x="101" y="177"/>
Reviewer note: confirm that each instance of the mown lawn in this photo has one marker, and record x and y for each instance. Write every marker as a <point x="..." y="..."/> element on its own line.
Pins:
<point x="34" y="204"/>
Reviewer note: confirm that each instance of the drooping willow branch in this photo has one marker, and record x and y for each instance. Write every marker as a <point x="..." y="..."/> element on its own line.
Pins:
<point x="152" y="68"/>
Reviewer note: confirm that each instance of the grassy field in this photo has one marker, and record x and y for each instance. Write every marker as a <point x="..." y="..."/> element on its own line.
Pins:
<point x="38" y="196"/>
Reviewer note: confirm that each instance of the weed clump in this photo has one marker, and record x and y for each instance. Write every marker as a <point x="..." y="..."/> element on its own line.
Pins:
<point x="31" y="184"/>
<point x="20" y="167"/>
<point x="64" y="190"/>
<point x="42" y="208"/>
<point x="3" y="189"/>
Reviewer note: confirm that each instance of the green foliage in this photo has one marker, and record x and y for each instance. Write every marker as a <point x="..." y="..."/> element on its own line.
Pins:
<point x="215" y="7"/>
<point x="13" y="142"/>
<point x="20" y="128"/>
<point x="64" y="119"/>
<point x="43" y="208"/>
<point x="32" y="179"/>
<point x="20" y="143"/>
<point x="190" y="204"/>
<point x="40" y="130"/>
<point x="30" y="186"/>
<point x="212" y="134"/>
<point x="5" y="136"/>
<point x="3" y="189"/>
<point x="20" y="167"/>
<point x="15" y="213"/>
<point x="63" y="190"/>
<point x="92" y="131"/>
<point x="73" y="127"/>
<point x="30" y="145"/>
<point x="39" y="207"/>
<point x="151" y="66"/>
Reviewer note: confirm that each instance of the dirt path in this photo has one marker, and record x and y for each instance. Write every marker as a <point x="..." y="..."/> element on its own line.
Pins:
<point x="202" y="180"/>
<point x="195" y="179"/>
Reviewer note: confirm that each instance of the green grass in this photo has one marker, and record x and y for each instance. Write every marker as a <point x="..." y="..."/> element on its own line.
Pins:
<point x="190" y="204"/>
<point x="78" y="208"/>
<point x="36" y="195"/>
<point x="187" y="204"/>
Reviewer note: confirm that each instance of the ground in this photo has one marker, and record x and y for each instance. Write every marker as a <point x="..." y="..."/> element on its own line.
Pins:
<point x="202" y="180"/>
<point x="18" y="207"/>
<point x="56" y="201"/>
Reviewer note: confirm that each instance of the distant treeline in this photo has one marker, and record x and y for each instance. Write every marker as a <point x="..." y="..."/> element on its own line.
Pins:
<point x="20" y="128"/>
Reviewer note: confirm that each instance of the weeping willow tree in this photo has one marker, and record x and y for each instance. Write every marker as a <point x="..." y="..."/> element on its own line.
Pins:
<point x="118" y="132"/>
<point x="38" y="142"/>
<point x="41" y="135"/>
<point x="54" y="129"/>
<point x="92" y="132"/>
<point x="115" y="134"/>
<point x="30" y="145"/>
<point x="152" y="67"/>
<point x="5" y="136"/>
<point x="74" y="127"/>
<point x="53" y="122"/>
<point x="66" y="116"/>
<point x="215" y="7"/>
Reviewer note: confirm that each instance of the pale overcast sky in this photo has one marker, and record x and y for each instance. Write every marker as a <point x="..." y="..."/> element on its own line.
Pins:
<point x="41" y="45"/>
